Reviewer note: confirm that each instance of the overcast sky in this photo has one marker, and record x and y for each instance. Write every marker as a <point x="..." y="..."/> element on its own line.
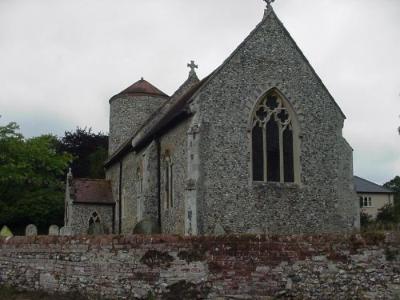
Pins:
<point x="60" y="61"/>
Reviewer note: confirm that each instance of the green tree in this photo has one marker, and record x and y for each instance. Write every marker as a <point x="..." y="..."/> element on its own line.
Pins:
<point x="89" y="151"/>
<point x="390" y="214"/>
<point x="394" y="185"/>
<point x="31" y="189"/>
<point x="365" y="219"/>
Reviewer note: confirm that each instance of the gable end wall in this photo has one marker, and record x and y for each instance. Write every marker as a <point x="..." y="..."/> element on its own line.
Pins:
<point x="324" y="200"/>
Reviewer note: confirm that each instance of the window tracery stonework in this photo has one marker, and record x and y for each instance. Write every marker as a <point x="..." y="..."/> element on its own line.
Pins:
<point x="272" y="140"/>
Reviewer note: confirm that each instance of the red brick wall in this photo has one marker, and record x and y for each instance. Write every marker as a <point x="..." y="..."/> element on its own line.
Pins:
<point x="171" y="267"/>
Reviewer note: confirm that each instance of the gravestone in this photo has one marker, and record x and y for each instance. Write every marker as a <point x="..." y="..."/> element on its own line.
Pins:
<point x="147" y="226"/>
<point x="219" y="230"/>
<point x="95" y="228"/>
<point x="6" y="232"/>
<point x="65" y="231"/>
<point x="54" y="230"/>
<point x="31" y="230"/>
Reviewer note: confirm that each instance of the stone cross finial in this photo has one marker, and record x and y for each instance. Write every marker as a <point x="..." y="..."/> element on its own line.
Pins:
<point x="269" y="2"/>
<point x="192" y="67"/>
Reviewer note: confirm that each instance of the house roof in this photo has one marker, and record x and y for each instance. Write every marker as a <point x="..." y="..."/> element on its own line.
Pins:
<point x="91" y="191"/>
<point x="362" y="185"/>
<point x="142" y="87"/>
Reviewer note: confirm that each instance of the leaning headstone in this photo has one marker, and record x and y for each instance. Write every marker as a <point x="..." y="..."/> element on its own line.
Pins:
<point x="6" y="232"/>
<point x="54" y="230"/>
<point x="31" y="230"/>
<point x="147" y="227"/>
<point x="219" y="230"/>
<point x="65" y="231"/>
<point x="255" y="230"/>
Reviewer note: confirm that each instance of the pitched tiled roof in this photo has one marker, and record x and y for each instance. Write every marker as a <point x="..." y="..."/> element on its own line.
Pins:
<point x="92" y="191"/>
<point x="364" y="186"/>
<point x="142" y="87"/>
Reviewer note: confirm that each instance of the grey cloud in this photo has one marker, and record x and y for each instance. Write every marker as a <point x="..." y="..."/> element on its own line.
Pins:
<point x="62" y="60"/>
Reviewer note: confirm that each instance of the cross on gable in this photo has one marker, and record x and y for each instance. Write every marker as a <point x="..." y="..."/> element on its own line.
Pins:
<point x="269" y="2"/>
<point x="192" y="66"/>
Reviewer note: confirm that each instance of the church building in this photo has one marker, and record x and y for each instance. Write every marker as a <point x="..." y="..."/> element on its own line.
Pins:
<point x="255" y="147"/>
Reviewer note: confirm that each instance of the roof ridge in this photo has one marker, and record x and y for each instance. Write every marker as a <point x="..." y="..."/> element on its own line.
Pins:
<point x="267" y="13"/>
<point x="369" y="181"/>
<point x="375" y="184"/>
<point x="141" y="87"/>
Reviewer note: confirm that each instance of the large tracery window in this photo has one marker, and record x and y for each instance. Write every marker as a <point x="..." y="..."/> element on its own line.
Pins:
<point x="272" y="141"/>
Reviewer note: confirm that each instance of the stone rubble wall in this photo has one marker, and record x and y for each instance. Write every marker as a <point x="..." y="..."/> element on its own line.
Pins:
<point x="127" y="114"/>
<point x="81" y="215"/>
<point x="175" y="143"/>
<point x="323" y="200"/>
<point x="228" y="267"/>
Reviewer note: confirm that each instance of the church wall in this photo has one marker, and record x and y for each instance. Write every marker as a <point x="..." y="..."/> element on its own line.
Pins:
<point x="345" y="185"/>
<point x="139" y="187"/>
<point x="175" y="143"/>
<point x="230" y="267"/>
<point x="112" y="174"/>
<point x="130" y="163"/>
<point x="149" y="206"/>
<point x="127" y="115"/>
<point x="323" y="200"/>
<point x="83" y="212"/>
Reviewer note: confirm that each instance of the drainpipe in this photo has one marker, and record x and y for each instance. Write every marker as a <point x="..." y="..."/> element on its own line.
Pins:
<point x="113" y="219"/>
<point x="120" y="198"/>
<point x="159" y="182"/>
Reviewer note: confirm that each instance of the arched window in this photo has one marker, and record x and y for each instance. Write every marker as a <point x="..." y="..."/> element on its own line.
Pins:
<point x="168" y="184"/>
<point x="273" y="140"/>
<point x="95" y="226"/>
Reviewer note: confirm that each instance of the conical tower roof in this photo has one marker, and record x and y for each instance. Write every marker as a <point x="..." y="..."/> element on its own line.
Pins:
<point x="143" y="87"/>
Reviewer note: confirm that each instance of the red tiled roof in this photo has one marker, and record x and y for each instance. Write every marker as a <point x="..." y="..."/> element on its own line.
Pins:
<point x="143" y="87"/>
<point x="94" y="191"/>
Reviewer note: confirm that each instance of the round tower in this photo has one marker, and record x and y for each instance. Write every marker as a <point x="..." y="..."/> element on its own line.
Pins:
<point x="130" y="109"/>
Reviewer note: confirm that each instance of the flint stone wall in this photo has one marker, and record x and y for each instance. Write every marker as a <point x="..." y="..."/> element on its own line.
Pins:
<point x="81" y="213"/>
<point x="324" y="200"/>
<point x="127" y="115"/>
<point x="175" y="143"/>
<point x="138" y="205"/>
<point x="230" y="267"/>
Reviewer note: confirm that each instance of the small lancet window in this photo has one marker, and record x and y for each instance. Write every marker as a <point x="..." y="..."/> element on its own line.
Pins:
<point x="95" y="226"/>
<point x="139" y="180"/>
<point x="169" y="201"/>
<point x="272" y="141"/>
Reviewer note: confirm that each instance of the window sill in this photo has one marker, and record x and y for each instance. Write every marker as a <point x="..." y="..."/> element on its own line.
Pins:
<point x="283" y="185"/>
